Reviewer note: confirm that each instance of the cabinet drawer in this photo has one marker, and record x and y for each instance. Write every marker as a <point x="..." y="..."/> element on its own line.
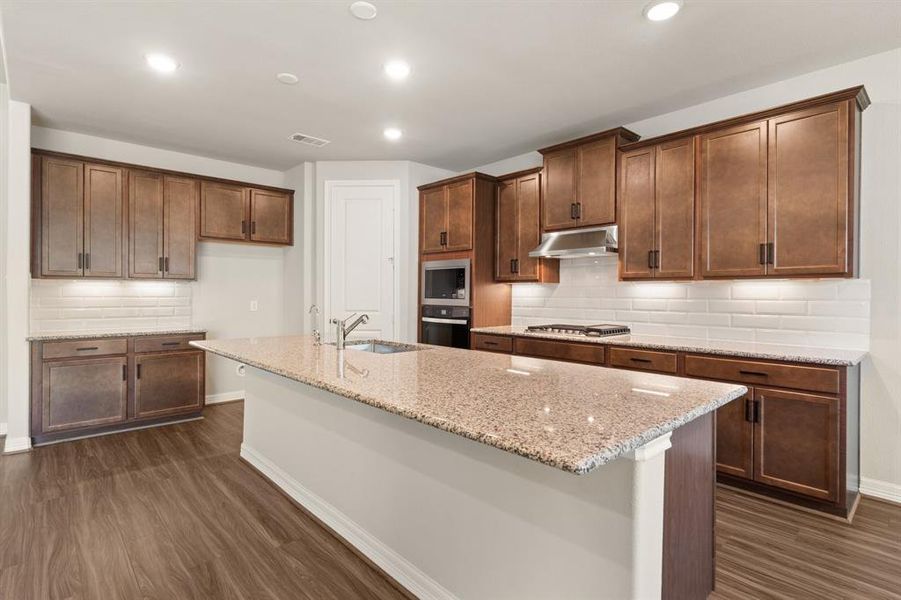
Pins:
<point x="815" y="379"/>
<point x="165" y="343"/>
<point x="80" y="348"/>
<point x="646" y="360"/>
<point x="492" y="343"/>
<point x="585" y="353"/>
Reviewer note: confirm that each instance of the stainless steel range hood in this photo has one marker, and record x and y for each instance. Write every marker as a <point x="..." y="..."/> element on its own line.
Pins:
<point x="597" y="241"/>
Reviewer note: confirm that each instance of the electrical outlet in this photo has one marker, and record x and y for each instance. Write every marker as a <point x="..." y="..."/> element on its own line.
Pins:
<point x="254" y="306"/>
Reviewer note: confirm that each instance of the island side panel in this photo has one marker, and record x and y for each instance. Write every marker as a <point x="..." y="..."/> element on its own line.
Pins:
<point x="689" y="512"/>
<point x="443" y="515"/>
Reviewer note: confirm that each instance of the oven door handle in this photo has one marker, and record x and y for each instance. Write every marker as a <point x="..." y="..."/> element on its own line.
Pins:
<point x="448" y="321"/>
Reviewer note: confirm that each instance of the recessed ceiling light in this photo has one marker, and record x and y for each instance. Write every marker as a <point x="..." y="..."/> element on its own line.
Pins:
<point x="661" y="11"/>
<point x="287" y="78"/>
<point x="397" y="70"/>
<point x="363" y="10"/>
<point x="393" y="133"/>
<point x="161" y="63"/>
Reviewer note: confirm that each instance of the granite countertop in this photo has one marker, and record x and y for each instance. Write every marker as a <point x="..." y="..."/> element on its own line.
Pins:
<point x="83" y="335"/>
<point x="570" y="416"/>
<point x="801" y="354"/>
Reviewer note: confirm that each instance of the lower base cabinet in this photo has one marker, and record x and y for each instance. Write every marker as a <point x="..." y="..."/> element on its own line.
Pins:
<point x="84" y="387"/>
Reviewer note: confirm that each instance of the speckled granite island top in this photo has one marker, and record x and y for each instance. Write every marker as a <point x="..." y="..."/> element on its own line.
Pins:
<point x="573" y="417"/>
<point x="84" y="335"/>
<point x="802" y="354"/>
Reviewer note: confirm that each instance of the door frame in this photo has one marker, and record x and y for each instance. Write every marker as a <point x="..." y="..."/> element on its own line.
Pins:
<point x="323" y="294"/>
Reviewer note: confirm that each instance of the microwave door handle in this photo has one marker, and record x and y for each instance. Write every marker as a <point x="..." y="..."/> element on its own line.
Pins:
<point x="447" y="321"/>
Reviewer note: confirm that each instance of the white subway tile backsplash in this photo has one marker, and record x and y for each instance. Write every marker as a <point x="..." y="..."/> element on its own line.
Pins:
<point x="65" y="306"/>
<point x="833" y="313"/>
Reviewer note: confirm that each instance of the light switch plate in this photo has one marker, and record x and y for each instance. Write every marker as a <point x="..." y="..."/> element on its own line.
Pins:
<point x="254" y="306"/>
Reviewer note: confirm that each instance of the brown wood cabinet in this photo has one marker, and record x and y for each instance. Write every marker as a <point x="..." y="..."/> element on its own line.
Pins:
<point x="519" y="230"/>
<point x="162" y="240"/>
<point x="446" y="217"/>
<point x="240" y="213"/>
<point x="777" y="195"/>
<point x="180" y="195"/>
<point x="88" y="386"/>
<point x="271" y="217"/>
<point x="78" y="219"/>
<point x="794" y="435"/>
<point x="580" y="180"/>
<point x="168" y="383"/>
<point x="657" y="211"/>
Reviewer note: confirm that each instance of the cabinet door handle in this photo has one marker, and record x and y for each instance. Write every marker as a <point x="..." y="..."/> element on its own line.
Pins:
<point x="757" y="411"/>
<point x="243" y="226"/>
<point x="87" y="260"/>
<point x="443" y="238"/>
<point x="578" y="210"/>
<point x="572" y="210"/>
<point x="166" y="264"/>
<point x="656" y="259"/>
<point x="761" y="254"/>
<point x="80" y="261"/>
<point x="512" y="267"/>
<point x="87" y="349"/>
<point x="754" y="373"/>
<point x="161" y="265"/>
<point x="124" y="372"/>
<point x="749" y="410"/>
<point x="253" y="228"/>
<point x="138" y="371"/>
<point x="770" y="253"/>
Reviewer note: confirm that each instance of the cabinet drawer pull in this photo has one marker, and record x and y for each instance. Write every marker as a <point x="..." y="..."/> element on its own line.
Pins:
<point x="486" y="343"/>
<point x="754" y="373"/>
<point x="87" y="348"/>
<point x="170" y="344"/>
<point x="641" y="360"/>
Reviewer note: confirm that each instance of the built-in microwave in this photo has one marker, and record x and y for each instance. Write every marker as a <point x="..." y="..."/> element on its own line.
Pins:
<point x="445" y="282"/>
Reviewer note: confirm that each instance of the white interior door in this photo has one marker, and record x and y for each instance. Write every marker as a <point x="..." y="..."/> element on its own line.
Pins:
<point x="360" y="243"/>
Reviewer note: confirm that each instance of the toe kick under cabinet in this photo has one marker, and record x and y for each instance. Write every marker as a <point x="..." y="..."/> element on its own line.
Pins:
<point x="82" y="387"/>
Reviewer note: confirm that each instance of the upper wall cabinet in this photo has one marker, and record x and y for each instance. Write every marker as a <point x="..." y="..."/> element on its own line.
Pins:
<point x="580" y="181"/>
<point x="239" y="213"/>
<point x="777" y="195"/>
<point x="519" y="230"/>
<point x="657" y="211"/>
<point x="77" y="213"/>
<point x="446" y="215"/>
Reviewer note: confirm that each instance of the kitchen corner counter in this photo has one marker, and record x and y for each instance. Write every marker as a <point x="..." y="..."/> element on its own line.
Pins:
<point x="91" y="335"/>
<point x="800" y="354"/>
<point x="570" y="416"/>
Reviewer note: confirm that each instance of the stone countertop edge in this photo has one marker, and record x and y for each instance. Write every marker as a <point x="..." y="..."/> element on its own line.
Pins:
<point x="109" y="334"/>
<point x="798" y="354"/>
<point x="581" y="467"/>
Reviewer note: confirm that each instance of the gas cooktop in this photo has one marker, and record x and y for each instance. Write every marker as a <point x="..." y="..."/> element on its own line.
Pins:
<point x="601" y="330"/>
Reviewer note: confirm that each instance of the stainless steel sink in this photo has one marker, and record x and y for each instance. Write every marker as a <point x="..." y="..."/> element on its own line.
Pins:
<point x="380" y="347"/>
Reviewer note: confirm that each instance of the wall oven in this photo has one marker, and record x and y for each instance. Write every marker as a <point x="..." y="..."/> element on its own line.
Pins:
<point x="445" y="282"/>
<point x="445" y="326"/>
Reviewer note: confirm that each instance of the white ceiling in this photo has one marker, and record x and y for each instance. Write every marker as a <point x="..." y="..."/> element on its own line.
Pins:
<point x="490" y="79"/>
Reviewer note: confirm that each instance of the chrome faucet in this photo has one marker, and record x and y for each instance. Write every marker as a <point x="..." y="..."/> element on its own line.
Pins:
<point x="341" y="332"/>
<point x="317" y="337"/>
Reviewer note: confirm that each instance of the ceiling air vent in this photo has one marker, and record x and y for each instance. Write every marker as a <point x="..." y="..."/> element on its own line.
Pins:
<point x="309" y="140"/>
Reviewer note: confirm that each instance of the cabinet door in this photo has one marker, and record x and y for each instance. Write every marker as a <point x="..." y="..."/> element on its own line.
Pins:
<point x="797" y="439"/>
<point x="84" y="393"/>
<point x="433" y="219"/>
<point x="636" y="214"/>
<point x="733" y="201"/>
<point x="507" y="230"/>
<point x="808" y="200"/>
<point x="675" y="223"/>
<point x="62" y="217"/>
<point x="459" y="216"/>
<point x="270" y="217"/>
<point x="596" y="193"/>
<point x="735" y="437"/>
<point x="168" y="383"/>
<point x="145" y="224"/>
<point x="528" y="227"/>
<point x="180" y="196"/>
<point x="223" y="211"/>
<point x="103" y="221"/>
<point x="560" y="170"/>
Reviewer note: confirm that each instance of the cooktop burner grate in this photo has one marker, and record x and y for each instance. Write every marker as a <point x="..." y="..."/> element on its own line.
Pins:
<point x="600" y="330"/>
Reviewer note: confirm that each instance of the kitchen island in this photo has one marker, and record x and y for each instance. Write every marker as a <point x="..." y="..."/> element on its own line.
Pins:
<point x="398" y="454"/>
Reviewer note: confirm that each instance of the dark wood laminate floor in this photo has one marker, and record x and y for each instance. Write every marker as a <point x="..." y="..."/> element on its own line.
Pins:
<point x="172" y="513"/>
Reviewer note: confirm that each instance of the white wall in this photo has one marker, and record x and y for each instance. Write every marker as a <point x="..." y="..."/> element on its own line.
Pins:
<point x="880" y="244"/>
<point x="4" y="125"/>
<point x="229" y="276"/>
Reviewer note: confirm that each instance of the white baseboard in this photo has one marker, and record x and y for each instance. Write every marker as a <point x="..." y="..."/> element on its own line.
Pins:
<point x="17" y="444"/>
<point x="405" y="573"/>
<point x="225" y="397"/>
<point x="880" y="489"/>
<point x="2" y="428"/>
